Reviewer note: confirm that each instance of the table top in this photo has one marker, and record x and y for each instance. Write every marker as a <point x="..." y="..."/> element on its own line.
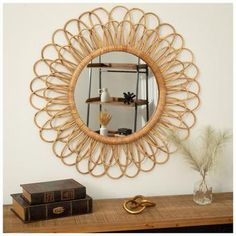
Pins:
<point x="109" y="215"/>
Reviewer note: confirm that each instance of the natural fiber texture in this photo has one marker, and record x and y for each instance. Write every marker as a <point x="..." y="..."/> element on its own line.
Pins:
<point x="72" y="48"/>
<point x="203" y="158"/>
<point x="104" y="118"/>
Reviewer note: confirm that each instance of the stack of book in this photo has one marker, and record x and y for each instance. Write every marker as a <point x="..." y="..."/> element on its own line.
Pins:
<point x="49" y="200"/>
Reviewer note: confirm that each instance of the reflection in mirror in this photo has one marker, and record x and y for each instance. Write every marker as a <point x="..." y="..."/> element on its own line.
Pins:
<point x="116" y="94"/>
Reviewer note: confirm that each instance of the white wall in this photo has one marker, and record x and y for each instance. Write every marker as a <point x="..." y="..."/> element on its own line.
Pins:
<point x="207" y="30"/>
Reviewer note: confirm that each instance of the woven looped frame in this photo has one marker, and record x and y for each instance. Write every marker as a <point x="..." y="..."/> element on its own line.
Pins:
<point x="72" y="48"/>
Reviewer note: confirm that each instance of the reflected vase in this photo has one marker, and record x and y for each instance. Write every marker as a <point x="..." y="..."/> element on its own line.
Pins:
<point x="103" y="130"/>
<point x="202" y="192"/>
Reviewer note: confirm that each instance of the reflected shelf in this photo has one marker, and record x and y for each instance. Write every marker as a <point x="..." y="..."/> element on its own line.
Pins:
<point x="119" y="67"/>
<point x="117" y="101"/>
<point x="111" y="133"/>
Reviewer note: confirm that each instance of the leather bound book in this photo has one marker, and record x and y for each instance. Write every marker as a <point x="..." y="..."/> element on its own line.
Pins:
<point x="28" y="213"/>
<point x="53" y="191"/>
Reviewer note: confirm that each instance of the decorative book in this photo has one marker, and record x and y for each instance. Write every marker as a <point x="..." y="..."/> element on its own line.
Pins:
<point x="53" y="191"/>
<point x="28" y="213"/>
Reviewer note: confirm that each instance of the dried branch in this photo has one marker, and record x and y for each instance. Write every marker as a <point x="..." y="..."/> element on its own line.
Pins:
<point x="185" y="151"/>
<point x="212" y="143"/>
<point x="104" y="118"/>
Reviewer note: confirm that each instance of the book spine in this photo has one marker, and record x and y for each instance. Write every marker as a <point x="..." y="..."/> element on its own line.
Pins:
<point x="56" y="196"/>
<point x="58" y="209"/>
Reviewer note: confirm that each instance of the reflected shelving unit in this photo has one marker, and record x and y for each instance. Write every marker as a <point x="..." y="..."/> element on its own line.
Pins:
<point x="118" y="101"/>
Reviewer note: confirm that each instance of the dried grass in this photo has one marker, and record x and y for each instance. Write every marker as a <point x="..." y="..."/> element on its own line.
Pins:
<point x="104" y="118"/>
<point x="212" y="144"/>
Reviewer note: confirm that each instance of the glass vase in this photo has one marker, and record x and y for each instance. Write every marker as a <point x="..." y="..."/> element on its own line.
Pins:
<point x="202" y="192"/>
<point x="103" y="130"/>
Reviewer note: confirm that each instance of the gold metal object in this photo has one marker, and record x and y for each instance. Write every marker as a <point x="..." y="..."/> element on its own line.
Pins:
<point x="137" y="204"/>
<point x="58" y="210"/>
<point x="94" y="33"/>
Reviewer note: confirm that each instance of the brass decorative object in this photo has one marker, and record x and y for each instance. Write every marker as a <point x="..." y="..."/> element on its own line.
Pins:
<point x="137" y="204"/>
<point x="71" y="49"/>
<point x="58" y="210"/>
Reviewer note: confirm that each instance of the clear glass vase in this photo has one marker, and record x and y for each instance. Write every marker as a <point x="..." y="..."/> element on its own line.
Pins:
<point x="202" y="192"/>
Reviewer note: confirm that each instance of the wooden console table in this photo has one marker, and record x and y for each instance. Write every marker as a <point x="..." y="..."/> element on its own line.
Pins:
<point x="108" y="215"/>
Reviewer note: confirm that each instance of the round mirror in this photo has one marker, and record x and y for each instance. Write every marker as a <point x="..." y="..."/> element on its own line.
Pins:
<point x="116" y="94"/>
<point x="108" y="87"/>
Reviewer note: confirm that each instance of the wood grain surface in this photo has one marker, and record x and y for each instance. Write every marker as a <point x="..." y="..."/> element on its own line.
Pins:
<point x="126" y="66"/>
<point x="116" y="101"/>
<point x="108" y="215"/>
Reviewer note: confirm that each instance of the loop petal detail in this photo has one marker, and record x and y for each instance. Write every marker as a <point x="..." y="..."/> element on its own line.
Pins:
<point x="62" y="60"/>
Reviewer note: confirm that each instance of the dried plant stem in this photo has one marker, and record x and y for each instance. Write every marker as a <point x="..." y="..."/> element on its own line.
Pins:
<point x="104" y="118"/>
<point x="212" y="143"/>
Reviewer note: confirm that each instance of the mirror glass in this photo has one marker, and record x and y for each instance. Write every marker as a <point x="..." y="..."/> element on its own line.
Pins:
<point x="116" y="94"/>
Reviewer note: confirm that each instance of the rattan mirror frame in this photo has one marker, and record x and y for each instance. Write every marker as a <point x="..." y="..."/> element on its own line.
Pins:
<point x="98" y="32"/>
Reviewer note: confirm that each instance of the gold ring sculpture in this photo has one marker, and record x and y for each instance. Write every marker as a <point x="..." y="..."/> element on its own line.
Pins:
<point x="62" y="60"/>
<point x="137" y="204"/>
